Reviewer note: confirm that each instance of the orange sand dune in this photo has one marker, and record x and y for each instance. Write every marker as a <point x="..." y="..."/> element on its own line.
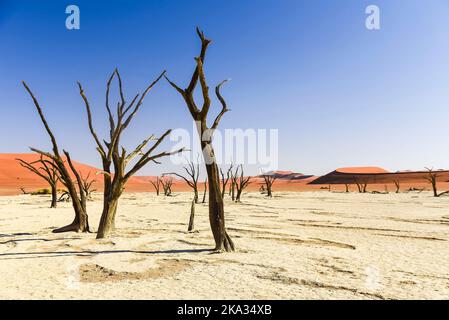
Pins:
<point x="13" y="176"/>
<point x="361" y="170"/>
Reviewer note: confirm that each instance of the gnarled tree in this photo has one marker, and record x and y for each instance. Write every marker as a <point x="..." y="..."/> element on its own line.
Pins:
<point x="225" y="179"/>
<point x="87" y="185"/>
<point x="241" y="183"/>
<point x="156" y="185"/>
<point x="269" y="179"/>
<point x="216" y="207"/>
<point x="193" y="173"/>
<point x="113" y="155"/>
<point x="432" y="179"/>
<point x="80" y="223"/>
<point x="46" y="171"/>
<point x="166" y="186"/>
<point x="397" y="184"/>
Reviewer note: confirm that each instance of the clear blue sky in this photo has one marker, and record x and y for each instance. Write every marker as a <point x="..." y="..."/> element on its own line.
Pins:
<point x="339" y="94"/>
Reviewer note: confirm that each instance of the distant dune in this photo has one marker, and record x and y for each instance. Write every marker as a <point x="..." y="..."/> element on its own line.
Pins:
<point x="361" y="170"/>
<point x="13" y="177"/>
<point x="380" y="179"/>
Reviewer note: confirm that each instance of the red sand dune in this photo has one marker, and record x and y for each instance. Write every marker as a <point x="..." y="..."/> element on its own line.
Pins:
<point x="361" y="170"/>
<point x="380" y="179"/>
<point x="13" y="177"/>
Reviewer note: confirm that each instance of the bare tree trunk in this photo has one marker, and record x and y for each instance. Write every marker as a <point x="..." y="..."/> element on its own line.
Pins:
<point x="205" y="191"/>
<point x="192" y="217"/>
<point x="233" y="190"/>
<point x="216" y="211"/>
<point x="239" y="193"/>
<point x="347" y="188"/>
<point x="195" y="195"/>
<point x="107" y="221"/>
<point x="216" y="206"/>
<point x="398" y="185"/>
<point x="54" y="196"/>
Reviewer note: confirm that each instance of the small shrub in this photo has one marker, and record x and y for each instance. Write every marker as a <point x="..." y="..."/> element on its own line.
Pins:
<point x="41" y="192"/>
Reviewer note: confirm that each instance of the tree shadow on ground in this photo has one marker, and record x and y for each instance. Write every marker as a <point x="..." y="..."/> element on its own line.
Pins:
<point x="87" y="253"/>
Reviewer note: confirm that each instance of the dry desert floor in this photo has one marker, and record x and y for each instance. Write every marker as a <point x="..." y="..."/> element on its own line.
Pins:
<point x="307" y="245"/>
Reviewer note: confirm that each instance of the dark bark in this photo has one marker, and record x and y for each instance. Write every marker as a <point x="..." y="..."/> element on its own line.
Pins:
<point x="205" y="191"/>
<point x="54" y="196"/>
<point x="216" y="207"/>
<point x="225" y="180"/>
<point x="398" y="185"/>
<point x="192" y="217"/>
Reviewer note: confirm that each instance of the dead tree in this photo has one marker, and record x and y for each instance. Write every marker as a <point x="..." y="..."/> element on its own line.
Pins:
<point x="432" y="179"/>
<point x="87" y="186"/>
<point x="216" y="207"/>
<point x="268" y="183"/>
<point x="46" y="171"/>
<point x="192" y="216"/>
<point x="397" y="185"/>
<point x="113" y="155"/>
<point x="241" y="184"/>
<point x="205" y="191"/>
<point x="64" y="197"/>
<point x="347" y="188"/>
<point x="80" y="222"/>
<point x="156" y="185"/>
<point x="364" y="186"/>
<point x="233" y="186"/>
<point x="166" y="186"/>
<point x="361" y="185"/>
<point x="193" y="173"/>
<point x="225" y="180"/>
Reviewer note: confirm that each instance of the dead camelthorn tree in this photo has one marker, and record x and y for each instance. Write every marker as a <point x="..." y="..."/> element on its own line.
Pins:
<point x="216" y="207"/>
<point x="166" y="186"/>
<point x="225" y="179"/>
<point x="241" y="183"/>
<point x="269" y="179"/>
<point x="46" y="171"/>
<point x="432" y="179"/>
<point x="113" y="155"/>
<point x="80" y="222"/>
<point x="361" y="185"/>
<point x="156" y="185"/>
<point x="87" y="186"/>
<point x="347" y="188"/>
<point x="397" y="185"/>
<point x="193" y="173"/>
